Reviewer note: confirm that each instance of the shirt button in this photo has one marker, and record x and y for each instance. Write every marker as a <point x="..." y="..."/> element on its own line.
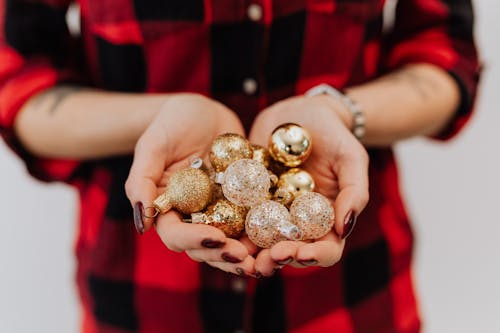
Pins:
<point x="238" y="285"/>
<point x="254" y="12"/>
<point x="249" y="86"/>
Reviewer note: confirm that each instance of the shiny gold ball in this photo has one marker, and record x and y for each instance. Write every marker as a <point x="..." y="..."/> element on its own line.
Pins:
<point x="228" y="148"/>
<point x="188" y="191"/>
<point x="290" y="144"/>
<point x="261" y="154"/>
<point x="225" y="216"/>
<point x="291" y="184"/>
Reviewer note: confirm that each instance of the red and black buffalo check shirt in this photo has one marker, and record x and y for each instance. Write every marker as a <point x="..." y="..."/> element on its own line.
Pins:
<point x="246" y="54"/>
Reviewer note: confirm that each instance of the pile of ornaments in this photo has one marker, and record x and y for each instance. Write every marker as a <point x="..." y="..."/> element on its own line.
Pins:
<point x="253" y="189"/>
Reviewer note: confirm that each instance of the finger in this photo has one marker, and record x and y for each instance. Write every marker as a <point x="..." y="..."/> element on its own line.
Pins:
<point x="180" y="236"/>
<point x="233" y="252"/>
<point x="251" y="247"/>
<point x="283" y="253"/>
<point x="244" y="268"/>
<point x="264" y="263"/>
<point x="352" y="173"/>
<point x="145" y="173"/>
<point x="324" y="252"/>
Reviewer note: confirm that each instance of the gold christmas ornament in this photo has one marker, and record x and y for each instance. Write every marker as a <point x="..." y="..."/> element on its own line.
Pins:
<point x="313" y="214"/>
<point x="228" y="148"/>
<point x="291" y="184"/>
<point x="269" y="223"/>
<point x="290" y="144"/>
<point x="261" y="154"/>
<point x="246" y="183"/>
<point x="188" y="191"/>
<point x="223" y="215"/>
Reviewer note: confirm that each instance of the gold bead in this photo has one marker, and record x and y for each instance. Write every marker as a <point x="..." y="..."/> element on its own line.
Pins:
<point x="290" y="144"/>
<point x="227" y="148"/>
<point x="291" y="184"/>
<point x="188" y="191"/>
<point x="223" y="215"/>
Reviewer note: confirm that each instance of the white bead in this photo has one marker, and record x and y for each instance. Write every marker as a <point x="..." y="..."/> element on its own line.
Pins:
<point x="254" y="12"/>
<point x="249" y="86"/>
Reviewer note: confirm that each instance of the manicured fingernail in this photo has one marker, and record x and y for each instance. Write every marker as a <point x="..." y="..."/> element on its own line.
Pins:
<point x="284" y="262"/>
<point x="139" y="224"/>
<point x="257" y="275"/>
<point x="240" y="271"/>
<point x="229" y="258"/>
<point x="310" y="262"/>
<point x="211" y="244"/>
<point x="349" y="223"/>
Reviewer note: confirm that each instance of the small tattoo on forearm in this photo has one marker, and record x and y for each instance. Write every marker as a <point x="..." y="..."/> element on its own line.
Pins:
<point x="423" y="86"/>
<point x="56" y="95"/>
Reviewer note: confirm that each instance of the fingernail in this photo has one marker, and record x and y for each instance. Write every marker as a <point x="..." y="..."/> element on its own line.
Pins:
<point x="229" y="258"/>
<point x="139" y="224"/>
<point x="211" y="244"/>
<point x="349" y="223"/>
<point x="284" y="262"/>
<point x="310" y="262"/>
<point x="257" y="275"/>
<point x="240" y="272"/>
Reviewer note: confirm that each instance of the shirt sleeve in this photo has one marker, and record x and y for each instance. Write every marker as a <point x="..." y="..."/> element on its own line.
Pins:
<point x="439" y="32"/>
<point x="35" y="54"/>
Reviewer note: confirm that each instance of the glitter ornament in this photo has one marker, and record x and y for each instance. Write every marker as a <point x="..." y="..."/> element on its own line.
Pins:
<point x="228" y="148"/>
<point x="269" y="223"/>
<point x="246" y="183"/>
<point x="290" y="144"/>
<point x="188" y="191"/>
<point x="223" y="215"/>
<point x="313" y="214"/>
<point x="291" y="184"/>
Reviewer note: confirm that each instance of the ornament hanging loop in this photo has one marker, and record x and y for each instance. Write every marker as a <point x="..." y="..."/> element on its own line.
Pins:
<point x="154" y="215"/>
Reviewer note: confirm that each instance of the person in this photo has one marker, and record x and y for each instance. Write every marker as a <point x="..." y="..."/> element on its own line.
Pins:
<point x="149" y="84"/>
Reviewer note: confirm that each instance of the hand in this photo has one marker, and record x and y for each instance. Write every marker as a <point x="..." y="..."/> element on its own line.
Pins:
<point x="185" y="127"/>
<point x="339" y="166"/>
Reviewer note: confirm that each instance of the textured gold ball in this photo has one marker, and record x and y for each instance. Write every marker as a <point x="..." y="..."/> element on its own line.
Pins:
<point x="228" y="148"/>
<point x="313" y="214"/>
<point x="290" y="144"/>
<point x="293" y="183"/>
<point x="225" y="216"/>
<point x="188" y="191"/>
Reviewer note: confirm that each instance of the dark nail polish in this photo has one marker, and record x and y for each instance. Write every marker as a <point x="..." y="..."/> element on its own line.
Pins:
<point x="229" y="258"/>
<point x="349" y="223"/>
<point x="139" y="224"/>
<point x="211" y="244"/>
<point x="310" y="262"/>
<point x="257" y="275"/>
<point x="240" y="272"/>
<point x="284" y="261"/>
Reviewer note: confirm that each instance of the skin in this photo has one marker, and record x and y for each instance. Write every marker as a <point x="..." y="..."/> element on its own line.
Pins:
<point x="416" y="100"/>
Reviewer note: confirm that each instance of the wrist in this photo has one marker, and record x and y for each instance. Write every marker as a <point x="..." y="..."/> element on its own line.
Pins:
<point x="356" y="124"/>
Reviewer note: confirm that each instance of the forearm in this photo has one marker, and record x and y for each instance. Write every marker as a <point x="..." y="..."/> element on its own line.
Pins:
<point x="416" y="100"/>
<point x="67" y="122"/>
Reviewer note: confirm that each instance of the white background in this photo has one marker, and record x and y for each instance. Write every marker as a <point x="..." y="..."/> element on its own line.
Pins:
<point x="452" y="195"/>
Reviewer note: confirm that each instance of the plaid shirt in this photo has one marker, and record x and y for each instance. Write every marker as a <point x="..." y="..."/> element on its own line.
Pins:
<point x="247" y="54"/>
